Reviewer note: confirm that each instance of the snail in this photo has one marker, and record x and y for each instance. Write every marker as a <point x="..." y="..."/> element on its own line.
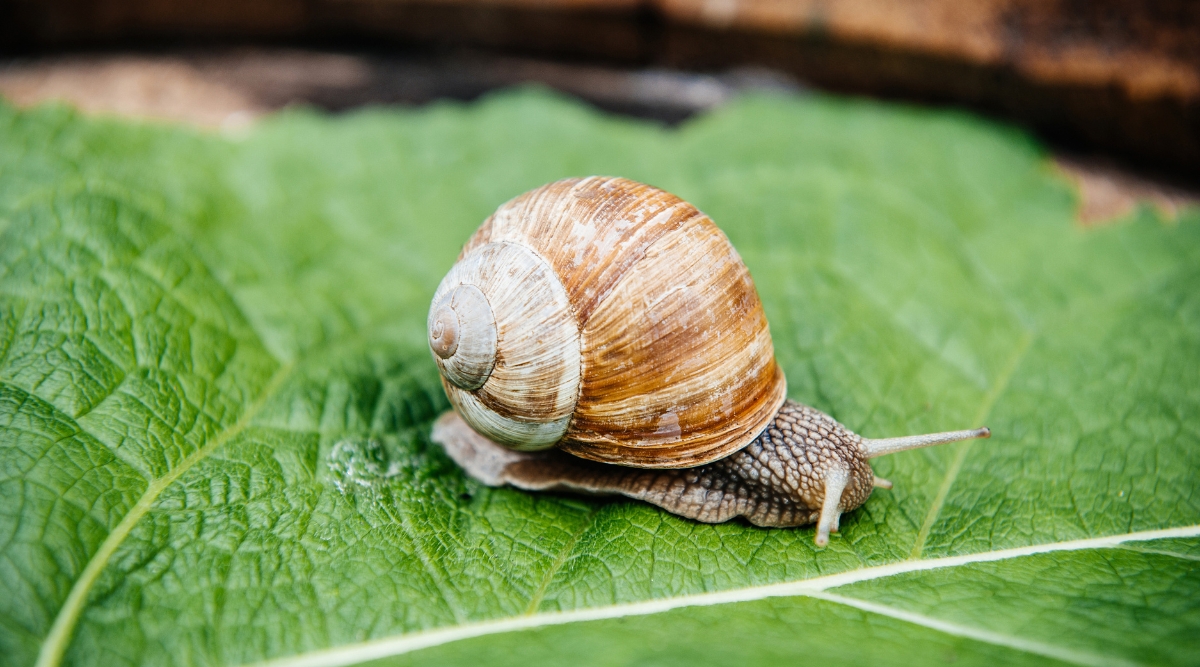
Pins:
<point x="602" y="336"/>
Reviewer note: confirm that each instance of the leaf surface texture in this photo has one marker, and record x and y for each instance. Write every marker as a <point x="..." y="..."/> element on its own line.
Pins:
<point x="215" y="398"/>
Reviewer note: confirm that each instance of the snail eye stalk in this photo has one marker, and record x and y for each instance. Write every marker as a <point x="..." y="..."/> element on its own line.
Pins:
<point x="884" y="446"/>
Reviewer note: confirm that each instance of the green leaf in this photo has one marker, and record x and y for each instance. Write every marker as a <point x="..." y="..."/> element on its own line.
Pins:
<point x="215" y="399"/>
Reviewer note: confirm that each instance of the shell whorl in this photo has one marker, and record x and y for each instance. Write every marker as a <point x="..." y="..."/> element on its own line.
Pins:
<point x="628" y="329"/>
<point x="521" y="391"/>
<point x="462" y="335"/>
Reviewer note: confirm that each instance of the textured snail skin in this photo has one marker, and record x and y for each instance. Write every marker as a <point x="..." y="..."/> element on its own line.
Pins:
<point x="778" y="480"/>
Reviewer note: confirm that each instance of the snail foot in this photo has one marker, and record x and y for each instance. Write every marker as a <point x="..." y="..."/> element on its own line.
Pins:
<point x="548" y="470"/>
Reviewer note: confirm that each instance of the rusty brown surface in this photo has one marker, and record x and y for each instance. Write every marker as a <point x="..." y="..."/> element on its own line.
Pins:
<point x="1112" y="75"/>
<point x="1107" y="193"/>
<point x="1121" y="77"/>
<point x="1147" y="50"/>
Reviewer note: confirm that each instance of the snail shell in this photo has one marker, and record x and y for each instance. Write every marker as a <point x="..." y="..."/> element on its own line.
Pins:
<point x="611" y="319"/>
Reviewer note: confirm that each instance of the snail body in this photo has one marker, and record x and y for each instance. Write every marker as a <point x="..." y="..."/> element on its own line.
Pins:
<point x="599" y="335"/>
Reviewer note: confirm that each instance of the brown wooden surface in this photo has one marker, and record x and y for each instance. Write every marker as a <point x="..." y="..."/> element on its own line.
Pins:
<point x="1123" y="77"/>
<point x="1119" y="76"/>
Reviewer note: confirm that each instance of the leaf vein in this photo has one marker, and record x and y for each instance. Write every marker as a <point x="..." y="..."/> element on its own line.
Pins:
<point x="963" y="448"/>
<point x="536" y="599"/>
<point x="55" y="645"/>
<point x="977" y="634"/>
<point x="351" y="654"/>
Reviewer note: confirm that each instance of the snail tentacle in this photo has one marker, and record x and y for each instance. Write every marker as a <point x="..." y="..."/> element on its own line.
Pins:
<point x="883" y="446"/>
<point x="831" y="507"/>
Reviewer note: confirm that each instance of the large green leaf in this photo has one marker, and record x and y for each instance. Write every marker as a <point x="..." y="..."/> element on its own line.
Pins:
<point x="215" y="399"/>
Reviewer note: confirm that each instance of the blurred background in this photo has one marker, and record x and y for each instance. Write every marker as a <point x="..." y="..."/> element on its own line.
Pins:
<point x="1111" y="86"/>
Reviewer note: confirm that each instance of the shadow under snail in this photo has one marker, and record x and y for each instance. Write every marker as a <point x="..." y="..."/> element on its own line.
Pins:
<point x="601" y="336"/>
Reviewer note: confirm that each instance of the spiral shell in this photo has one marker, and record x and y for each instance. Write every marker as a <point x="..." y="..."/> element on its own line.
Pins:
<point x="611" y="319"/>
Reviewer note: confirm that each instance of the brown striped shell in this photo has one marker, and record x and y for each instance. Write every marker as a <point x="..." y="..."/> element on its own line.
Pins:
<point x="611" y="319"/>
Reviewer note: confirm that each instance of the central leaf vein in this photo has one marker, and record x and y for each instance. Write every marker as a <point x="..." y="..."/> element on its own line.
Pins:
<point x="815" y="587"/>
